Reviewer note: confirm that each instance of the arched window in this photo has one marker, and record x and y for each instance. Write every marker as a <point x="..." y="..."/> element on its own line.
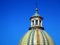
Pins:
<point x="32" y="22"/>
<point x="36" y="22"/>
<point x="40" y="22"/>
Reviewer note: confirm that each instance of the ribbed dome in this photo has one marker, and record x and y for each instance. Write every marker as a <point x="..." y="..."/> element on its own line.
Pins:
<point x="36" y="37"/>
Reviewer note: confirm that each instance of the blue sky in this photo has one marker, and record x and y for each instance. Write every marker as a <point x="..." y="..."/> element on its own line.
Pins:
<point x="15" y="14"/>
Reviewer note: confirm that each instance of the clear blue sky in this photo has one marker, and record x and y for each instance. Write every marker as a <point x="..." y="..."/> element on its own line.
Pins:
<point x="15" y="14"/>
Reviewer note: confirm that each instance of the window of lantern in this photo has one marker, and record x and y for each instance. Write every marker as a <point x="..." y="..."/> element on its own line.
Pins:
<point x="36" y="22"/>
<point x="32" y="22"/>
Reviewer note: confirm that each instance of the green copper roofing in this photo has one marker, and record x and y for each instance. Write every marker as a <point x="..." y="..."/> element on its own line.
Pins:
<point x="36" y="12"/>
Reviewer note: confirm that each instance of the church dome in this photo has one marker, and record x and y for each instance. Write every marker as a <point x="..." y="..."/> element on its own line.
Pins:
<point x="36" y="34"/>
<point x="36" y="37"/>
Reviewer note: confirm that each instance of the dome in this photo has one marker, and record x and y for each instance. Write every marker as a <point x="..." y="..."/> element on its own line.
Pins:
<point x="36" y="34"/>
<point x="36" y="37"/>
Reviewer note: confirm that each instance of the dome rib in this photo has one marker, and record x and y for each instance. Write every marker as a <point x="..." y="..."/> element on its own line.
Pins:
<point x="38" y="38"/>
<point x="29" y="37"/>
<point x="43" y="37"/>
<point x="46" y="38"/>
<point x="33" y="38"/>
<point x="31" y="34"/>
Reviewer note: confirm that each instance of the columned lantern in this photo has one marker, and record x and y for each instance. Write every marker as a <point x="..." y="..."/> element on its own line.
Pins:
<point x="36" y="34"/>
<point x="36" y="20"/>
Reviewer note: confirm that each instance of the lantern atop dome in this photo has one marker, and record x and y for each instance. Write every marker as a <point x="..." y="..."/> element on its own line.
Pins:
<point x="36" y="20"/>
